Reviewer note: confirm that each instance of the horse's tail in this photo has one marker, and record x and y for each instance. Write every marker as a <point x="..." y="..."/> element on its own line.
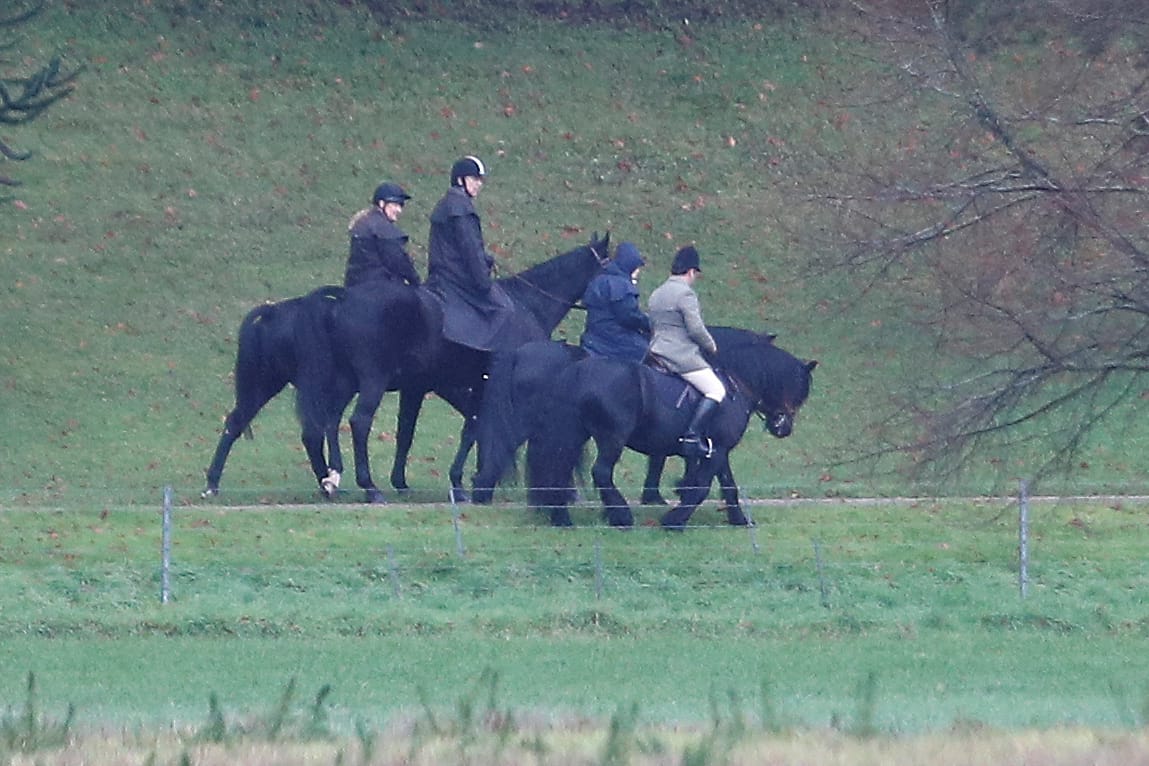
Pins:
<point x="556" y="448"/>
<point x="501" y="430"/>
<point x="517" y="399"/>
<point x="317" y="376"/>
<point x="263" y="363"/>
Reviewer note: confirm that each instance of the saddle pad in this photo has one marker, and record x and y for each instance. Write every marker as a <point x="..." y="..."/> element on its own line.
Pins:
<point x="672" y="390"/>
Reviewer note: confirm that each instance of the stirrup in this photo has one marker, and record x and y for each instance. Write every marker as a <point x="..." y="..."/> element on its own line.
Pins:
<point x="697" y="446"/>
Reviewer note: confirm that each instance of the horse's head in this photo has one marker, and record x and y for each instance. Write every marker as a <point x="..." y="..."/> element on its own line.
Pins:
<point x="779" y="402"/>
<point x="600" y="248"/>
<point x="775" y="380"/>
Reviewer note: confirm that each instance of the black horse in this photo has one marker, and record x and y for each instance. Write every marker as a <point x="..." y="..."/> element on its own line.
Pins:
<point x="515" y="405"/>
<point x="408" y="353"/>
<point x="623" y="405"/>
<point x="333" y="342"/>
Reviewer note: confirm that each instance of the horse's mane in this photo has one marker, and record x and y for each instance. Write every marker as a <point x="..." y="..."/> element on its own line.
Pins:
<point x="549" y="289"/>
<point x="551" y="270"/>
<point x="758" y="362"/>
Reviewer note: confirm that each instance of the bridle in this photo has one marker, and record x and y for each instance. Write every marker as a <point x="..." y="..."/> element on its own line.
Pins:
<point x="770" y="420"/>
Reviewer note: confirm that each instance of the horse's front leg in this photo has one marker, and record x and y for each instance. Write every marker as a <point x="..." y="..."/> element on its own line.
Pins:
<point x="410" y="404"/>
<point x="695" y="487"/>
<point x="455" y="473"/>
<point x="729" y="488"/>
<point x="651" y="495"/>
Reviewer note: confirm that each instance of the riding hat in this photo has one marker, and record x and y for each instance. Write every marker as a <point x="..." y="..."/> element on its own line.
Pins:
<point x="390" y="192"/>
<point x="467" y="166"/>
<point x="685" y="260"/>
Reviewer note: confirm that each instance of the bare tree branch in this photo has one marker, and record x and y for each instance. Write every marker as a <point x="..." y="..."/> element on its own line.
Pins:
<point x="1013" y="206"/>
<point x="25" y="97"/>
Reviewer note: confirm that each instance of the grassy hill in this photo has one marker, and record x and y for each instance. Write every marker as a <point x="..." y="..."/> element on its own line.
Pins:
<point x="213" y="153"/>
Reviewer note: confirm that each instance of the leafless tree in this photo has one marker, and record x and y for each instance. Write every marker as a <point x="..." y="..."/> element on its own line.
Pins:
<point x="993" y="170"/>
<point x="25" y="96"/>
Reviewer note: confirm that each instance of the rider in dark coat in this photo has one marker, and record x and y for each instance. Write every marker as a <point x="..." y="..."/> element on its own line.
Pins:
<point x="378" y="245"/>
<point x="615" y="326"/>
<point x="475" y="308"/>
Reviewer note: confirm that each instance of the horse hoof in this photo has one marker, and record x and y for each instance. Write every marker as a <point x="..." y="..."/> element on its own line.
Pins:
<point x="653" y="497"/>
<point x="674" y="521"/>
<point x="459" y="495"/>
<point x="735" y="517"/>
<point x="209" y="492"/>
<point x="482" y="496"/>
<point x="620" y="519"/>
<point x="330" y="484"/>
<point x="375" y="497"/>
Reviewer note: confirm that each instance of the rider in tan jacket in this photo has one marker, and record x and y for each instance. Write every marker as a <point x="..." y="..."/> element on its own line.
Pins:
<point x="679" y="338"/>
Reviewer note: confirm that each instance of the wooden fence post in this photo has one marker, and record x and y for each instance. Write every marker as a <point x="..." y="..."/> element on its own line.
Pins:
<point x="1023" y="539"/>
<point x="166" y="548"/>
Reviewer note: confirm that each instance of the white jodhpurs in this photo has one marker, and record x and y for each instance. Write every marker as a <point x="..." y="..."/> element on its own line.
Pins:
<point x="707" y="383"/>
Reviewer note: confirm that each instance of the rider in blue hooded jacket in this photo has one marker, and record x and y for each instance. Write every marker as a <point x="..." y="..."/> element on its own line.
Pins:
<point x="615" y="326"/>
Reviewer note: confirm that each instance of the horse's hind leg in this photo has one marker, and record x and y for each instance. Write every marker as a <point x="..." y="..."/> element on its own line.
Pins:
<point x="361" y="419"/>
<point x="330" y="483"/>
<point x="614" y="505"/>
<point x="233" y="427"/>
<point x="238" y="421"/>
<point x="651" y="495"/>
<point x="314" y="437"/>
<point x="550" y="472"/>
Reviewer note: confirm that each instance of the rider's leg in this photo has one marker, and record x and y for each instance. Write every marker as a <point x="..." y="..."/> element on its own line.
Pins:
<point x="694" y="441"/>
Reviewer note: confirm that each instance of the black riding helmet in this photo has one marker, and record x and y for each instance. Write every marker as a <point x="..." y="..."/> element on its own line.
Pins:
<point x="390" y="192"/>
<point x="467" y="166"/>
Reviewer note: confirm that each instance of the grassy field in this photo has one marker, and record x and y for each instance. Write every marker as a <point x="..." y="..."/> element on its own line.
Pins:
<point x="393" y="606"/>
<point x="209" y="161"/>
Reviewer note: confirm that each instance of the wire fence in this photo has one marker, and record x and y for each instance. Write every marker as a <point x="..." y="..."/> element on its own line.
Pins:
<point x="819" y="537"/>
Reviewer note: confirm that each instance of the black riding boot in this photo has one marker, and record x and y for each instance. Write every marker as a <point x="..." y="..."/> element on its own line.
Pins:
<point x="694" y="444"/>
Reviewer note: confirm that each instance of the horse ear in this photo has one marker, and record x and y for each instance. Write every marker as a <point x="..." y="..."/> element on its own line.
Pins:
<point x="810" y="365"/>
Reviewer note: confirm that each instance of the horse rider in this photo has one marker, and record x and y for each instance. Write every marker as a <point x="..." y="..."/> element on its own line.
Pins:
<point x="460" y="270"/>
<point x="378" y="245"/>
<point x="615" y="326"/>
<point x="680" y="339"/>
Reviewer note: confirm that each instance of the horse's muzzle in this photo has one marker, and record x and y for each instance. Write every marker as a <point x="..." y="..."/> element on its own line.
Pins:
<point x="780" y="424"/>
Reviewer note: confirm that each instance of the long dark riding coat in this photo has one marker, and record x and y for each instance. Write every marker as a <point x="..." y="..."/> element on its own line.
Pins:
<point x="475" y="309"/>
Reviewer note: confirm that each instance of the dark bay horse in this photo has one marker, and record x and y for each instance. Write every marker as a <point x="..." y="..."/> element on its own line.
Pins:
<point x="329" y="342"/>
<point x="622" y="405"/>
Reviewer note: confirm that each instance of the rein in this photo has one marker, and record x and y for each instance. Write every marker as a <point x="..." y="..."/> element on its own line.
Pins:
<point x="745" y="390"/>
<point x="602" y="261"/>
